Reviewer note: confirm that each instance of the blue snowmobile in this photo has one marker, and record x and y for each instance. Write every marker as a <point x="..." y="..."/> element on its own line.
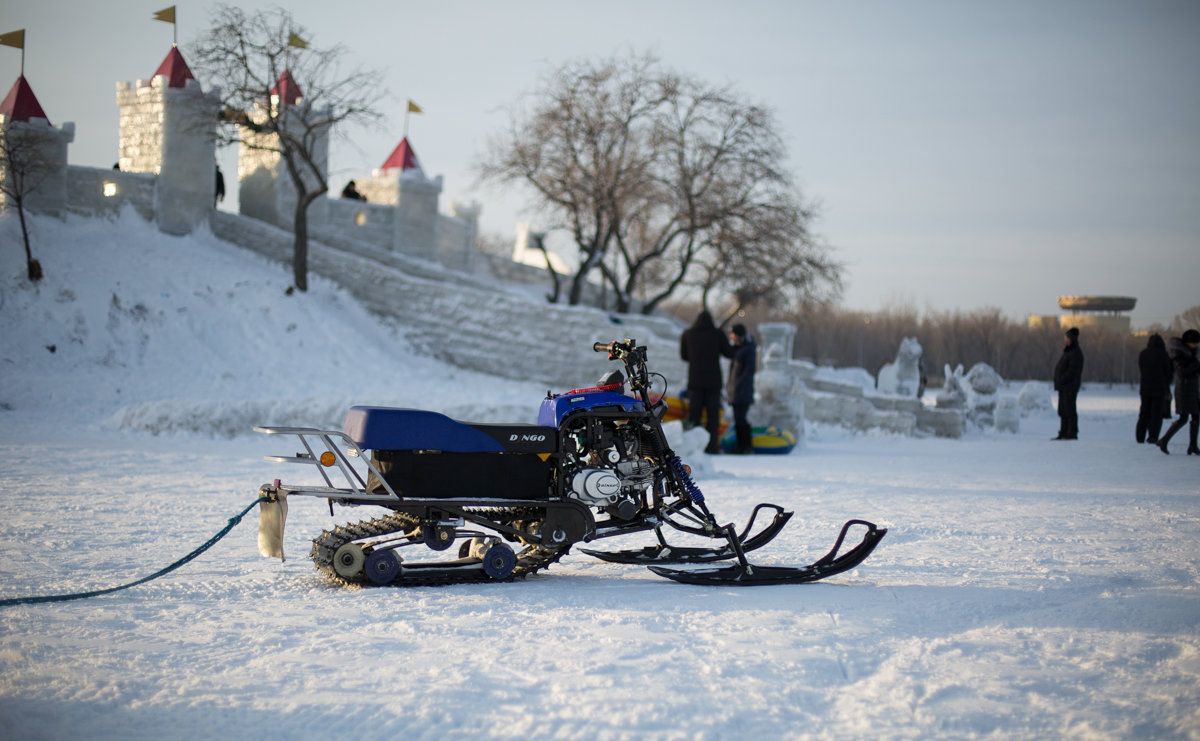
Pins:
<point x="516" y="497"/>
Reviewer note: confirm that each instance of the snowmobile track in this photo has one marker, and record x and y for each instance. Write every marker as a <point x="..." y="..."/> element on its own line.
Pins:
<point x="529" y="561"/>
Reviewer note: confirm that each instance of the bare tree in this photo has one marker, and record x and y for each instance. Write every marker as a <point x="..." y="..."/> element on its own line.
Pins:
<point x="247" y="55"/>
<point x="1188" y="319"/>
<point x="24" y="167"/>
<point x="668" y="176"/>
<point x="773" y="262"/>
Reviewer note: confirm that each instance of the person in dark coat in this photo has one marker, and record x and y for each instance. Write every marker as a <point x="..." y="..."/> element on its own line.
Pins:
<point x="219" y="192"/>
<point x="350" y="192"/>
<point x="1187" y="389"/>
<point x="741" y="386"/>
<point x="1156" y="371"/>
<point x="702" y="346"/>
<point x="1068" y="377"/>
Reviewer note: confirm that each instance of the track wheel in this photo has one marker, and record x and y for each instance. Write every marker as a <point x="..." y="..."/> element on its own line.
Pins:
<point x="382" y="567"/>
<point x="499" y="561"/>
<point x="348" y="560"/>
<point x="474" y="547"/>
<point x="439" y="537"/>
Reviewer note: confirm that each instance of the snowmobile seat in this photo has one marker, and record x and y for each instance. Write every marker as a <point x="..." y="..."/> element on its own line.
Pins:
<point x="387" y="428"/>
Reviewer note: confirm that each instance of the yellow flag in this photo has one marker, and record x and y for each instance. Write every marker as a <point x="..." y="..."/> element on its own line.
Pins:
<point x="414" y="108"/>
<point x="296" y="41"/>
<point x="15" y="39"/>
<point x="167" y="15"/>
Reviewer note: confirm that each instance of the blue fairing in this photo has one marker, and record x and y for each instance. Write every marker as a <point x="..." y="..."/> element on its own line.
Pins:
<point x="384" y="428"/>
<point x="553" y="410"/>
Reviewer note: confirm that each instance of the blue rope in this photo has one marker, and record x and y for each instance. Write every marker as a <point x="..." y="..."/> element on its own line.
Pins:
<point x="96" y="593"/>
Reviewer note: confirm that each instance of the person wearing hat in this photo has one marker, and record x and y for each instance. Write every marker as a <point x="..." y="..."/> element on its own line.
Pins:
<point x="741" y="386"/>
<point x="1187" y="389"/>
<point x="1068" y="377"/>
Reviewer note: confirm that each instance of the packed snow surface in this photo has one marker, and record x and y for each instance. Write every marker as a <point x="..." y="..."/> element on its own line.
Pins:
<point x="1026" y="588"/>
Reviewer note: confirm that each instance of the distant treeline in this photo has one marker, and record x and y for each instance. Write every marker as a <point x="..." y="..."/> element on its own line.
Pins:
<point x="832" y="336"/>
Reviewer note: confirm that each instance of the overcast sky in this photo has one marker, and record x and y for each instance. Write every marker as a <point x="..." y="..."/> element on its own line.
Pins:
<point x="964" y="154"/>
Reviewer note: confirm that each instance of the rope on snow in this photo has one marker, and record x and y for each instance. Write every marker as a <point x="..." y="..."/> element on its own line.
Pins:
<point x="233" y="521"/>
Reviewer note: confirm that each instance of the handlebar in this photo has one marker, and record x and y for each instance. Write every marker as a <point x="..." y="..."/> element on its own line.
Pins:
<point x="634" y="358"/>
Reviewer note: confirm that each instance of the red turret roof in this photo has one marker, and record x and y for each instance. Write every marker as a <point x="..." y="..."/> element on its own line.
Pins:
<point x="21" y="104"/>
<point x="175" y="69"/>
<point x="402" y="158"/>
<point x="286" y="88"/>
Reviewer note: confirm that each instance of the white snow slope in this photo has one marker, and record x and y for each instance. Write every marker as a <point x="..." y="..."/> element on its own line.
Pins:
<point x="1026" y="589"/>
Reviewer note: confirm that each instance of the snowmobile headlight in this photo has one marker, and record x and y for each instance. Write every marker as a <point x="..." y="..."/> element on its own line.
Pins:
<point x="328" y="459"/>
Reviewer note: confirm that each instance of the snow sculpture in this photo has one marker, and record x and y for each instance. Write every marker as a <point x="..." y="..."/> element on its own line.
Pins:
<point x="903" y="377"/>
<point x="856" y="381"/>
<point x="1008" y="414"/>
<point x="953" y="394"/>
<point x="780" y="401"/>
<point x="975" y="392"/>
<point x="798" y="390"/>
<point x="1034" y="397"/>
<point x="778" y="384"/>
<point x="982" y="385"/>
<point x="983" y="380"/>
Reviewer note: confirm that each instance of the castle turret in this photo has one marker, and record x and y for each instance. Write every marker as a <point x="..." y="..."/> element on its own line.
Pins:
<point x="168" y="127"/>
<point x="34" y="153"/>
<point x="402" y="183"/>
<point x="265" y="187"/>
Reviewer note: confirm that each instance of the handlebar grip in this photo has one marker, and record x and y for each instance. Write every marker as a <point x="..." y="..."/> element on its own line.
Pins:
<point x="601" y="346"/>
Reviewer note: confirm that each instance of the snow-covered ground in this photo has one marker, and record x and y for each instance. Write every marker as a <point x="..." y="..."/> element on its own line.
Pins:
<point x="1026" y="589"/>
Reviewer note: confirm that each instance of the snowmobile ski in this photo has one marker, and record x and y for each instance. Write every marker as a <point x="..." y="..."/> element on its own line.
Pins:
<point x="664" y="553"/>
<point x="745" y="574"/>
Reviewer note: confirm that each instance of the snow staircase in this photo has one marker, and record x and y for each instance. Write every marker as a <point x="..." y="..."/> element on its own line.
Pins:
<point x="467" y="320"/>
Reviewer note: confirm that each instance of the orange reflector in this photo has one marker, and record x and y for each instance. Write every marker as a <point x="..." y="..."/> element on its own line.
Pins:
<point x="327" y="459"/>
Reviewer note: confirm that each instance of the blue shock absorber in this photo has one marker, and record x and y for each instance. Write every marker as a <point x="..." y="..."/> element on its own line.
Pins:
<point x="685" y="479"/>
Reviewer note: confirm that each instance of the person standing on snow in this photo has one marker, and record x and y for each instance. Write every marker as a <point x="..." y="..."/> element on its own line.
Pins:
<point x="702" y="346"/>
<point x="1187" y="389"/>
<point x="1068" y="377"/>
<point x="741" y="386"/>
<point x="1156" y="371"/>
<point x="218" y="188"/>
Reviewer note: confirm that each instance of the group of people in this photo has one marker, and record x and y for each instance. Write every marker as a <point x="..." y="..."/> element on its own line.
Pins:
<point x="1160" y="369"/>
<point x="702" y="347"/>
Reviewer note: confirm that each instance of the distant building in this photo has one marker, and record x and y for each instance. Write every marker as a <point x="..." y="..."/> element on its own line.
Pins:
<point x="1089" y="312"/>
<point x="1037" y="321"/>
